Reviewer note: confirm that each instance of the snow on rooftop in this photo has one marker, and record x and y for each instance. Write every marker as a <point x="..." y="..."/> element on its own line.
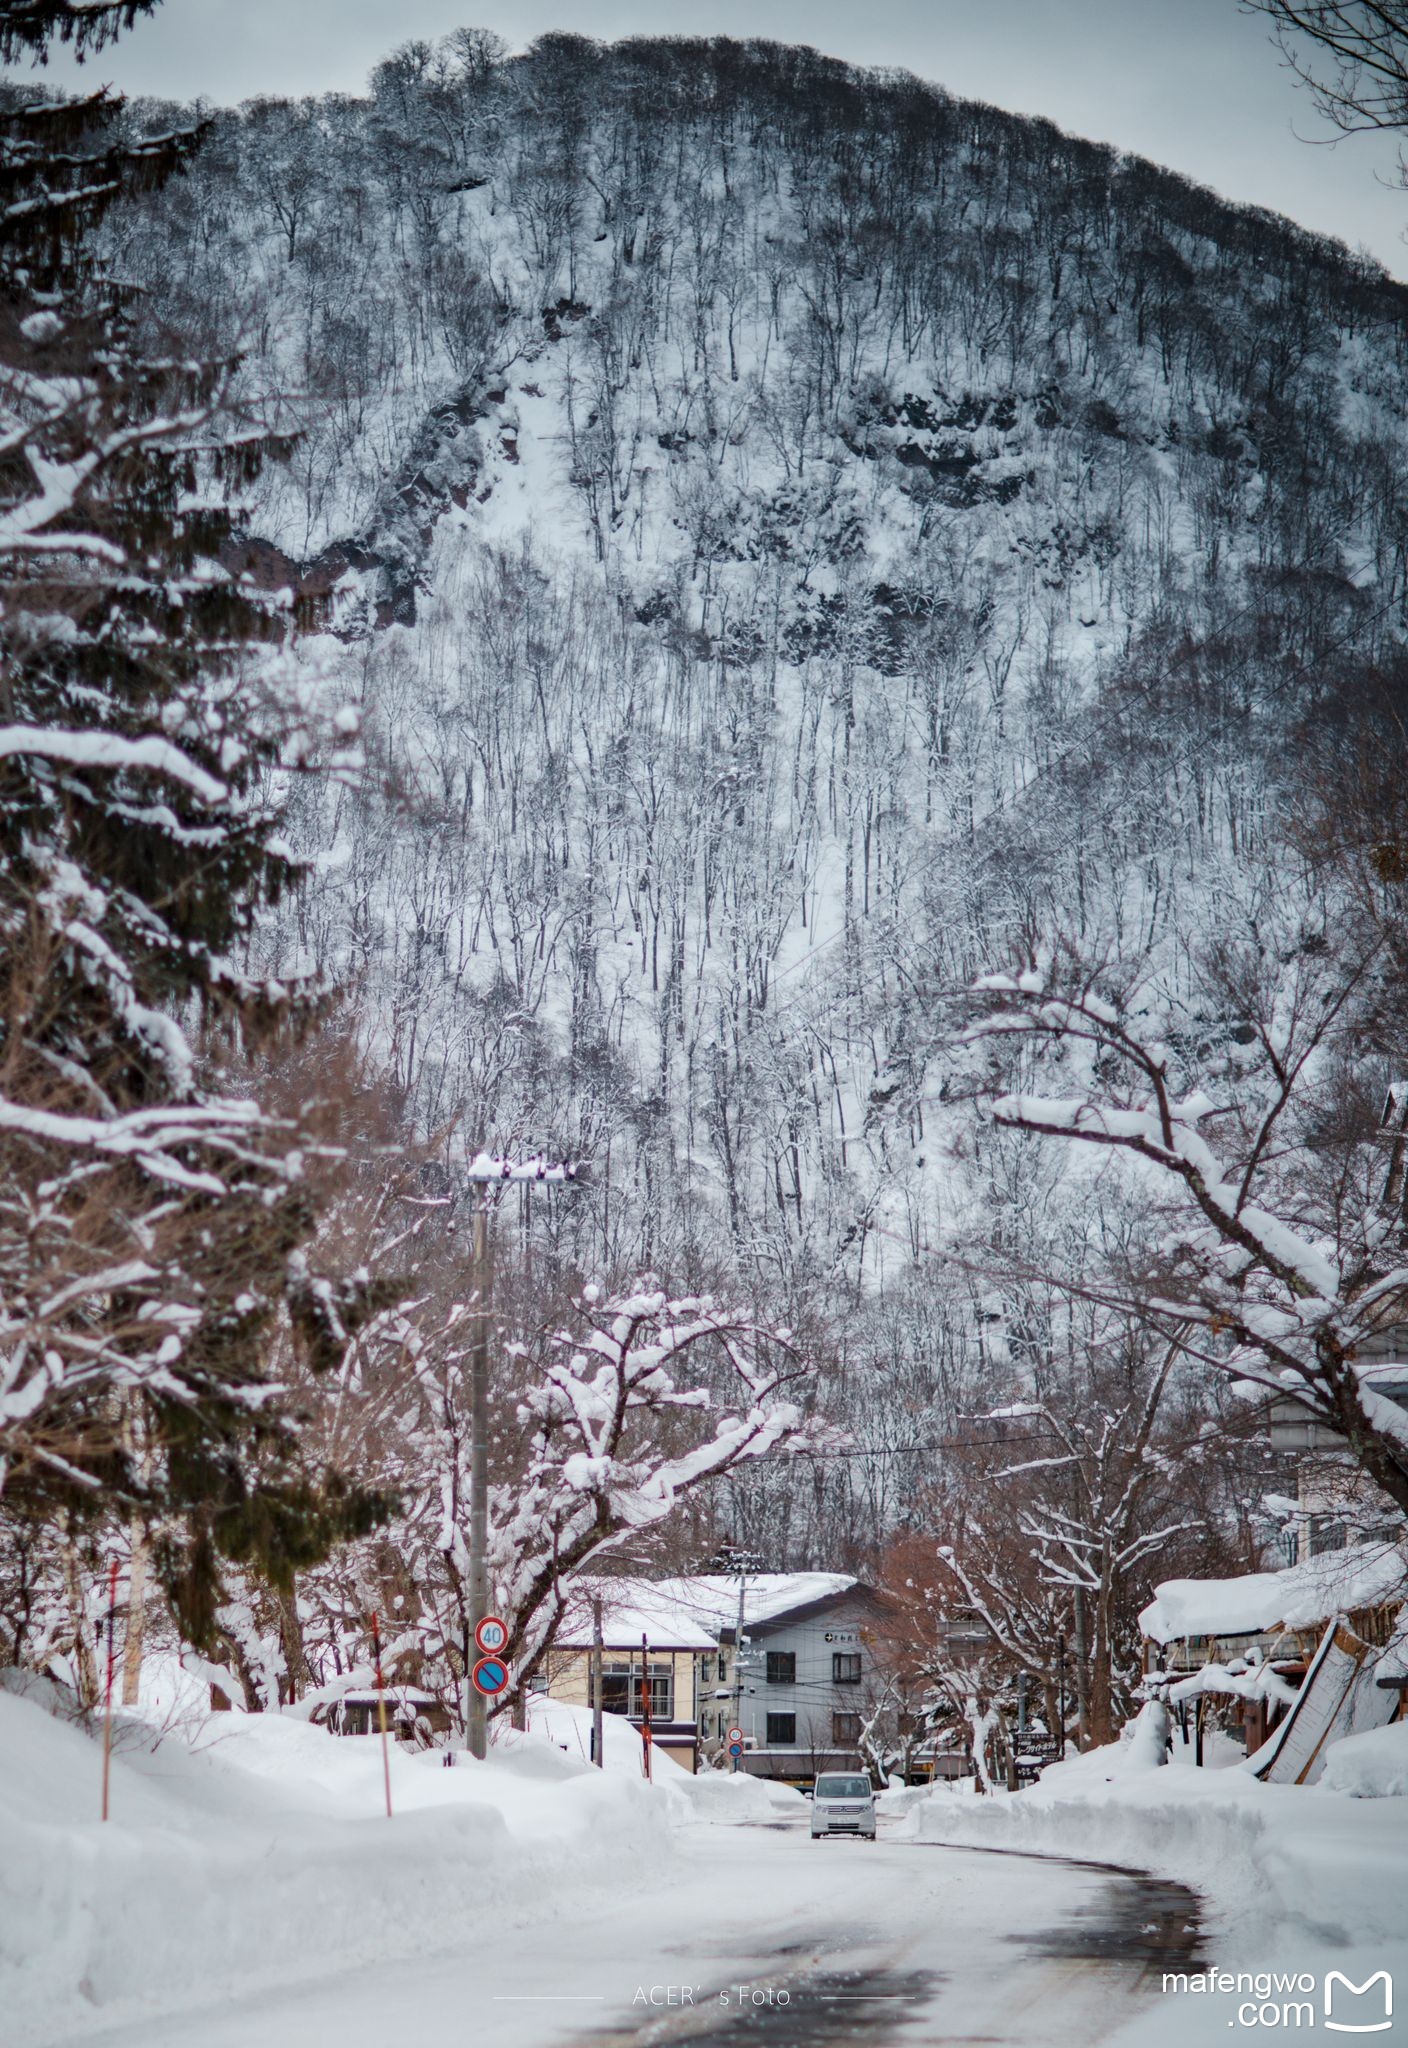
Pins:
<point x="771" y="1595"/>
<point x="1302" y="1597"/>
<point x="689" y="1612"/>
<point x="632" y="1608"/>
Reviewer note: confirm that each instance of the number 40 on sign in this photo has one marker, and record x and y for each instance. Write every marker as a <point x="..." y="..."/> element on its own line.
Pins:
<point x="491" y="1674"/>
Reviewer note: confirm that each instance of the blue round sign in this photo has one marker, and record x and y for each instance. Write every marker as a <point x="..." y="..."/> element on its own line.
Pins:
<point x="735" y="1749"/>
<point x="490" y="1676"/>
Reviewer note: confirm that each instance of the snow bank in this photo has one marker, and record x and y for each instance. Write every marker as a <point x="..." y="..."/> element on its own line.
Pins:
<point x="1289" y="1874"/>
<point x="256" y="1849"/>
<point x="732" y="1797"/>
<point x="725" y="1797"/>
<point x="1369" y="1766"/>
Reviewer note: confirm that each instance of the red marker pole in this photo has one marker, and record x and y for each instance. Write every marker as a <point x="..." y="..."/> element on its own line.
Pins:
<point x="381" y="1712"/>
<point x="107" y="1703"/>
<point x="645" y="1734"/>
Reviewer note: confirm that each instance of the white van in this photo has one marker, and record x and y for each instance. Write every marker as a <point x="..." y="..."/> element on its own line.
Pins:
<point x="843" y="1804"/>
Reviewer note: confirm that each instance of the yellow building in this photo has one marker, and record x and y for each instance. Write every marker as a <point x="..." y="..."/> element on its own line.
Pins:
<point x="655" y="1654"/>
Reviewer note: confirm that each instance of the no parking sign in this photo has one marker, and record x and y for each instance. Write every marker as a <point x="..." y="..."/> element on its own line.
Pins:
<point x="490" y="1676"/>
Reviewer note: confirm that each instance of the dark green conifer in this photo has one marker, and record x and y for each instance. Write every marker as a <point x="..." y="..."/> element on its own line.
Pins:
<point x="151" y="1226"/>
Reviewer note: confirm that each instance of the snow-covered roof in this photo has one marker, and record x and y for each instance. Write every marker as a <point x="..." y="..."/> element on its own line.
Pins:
<point x="690" y="1612"/>
<point x="1302" y="1597"/>
<point x="767" y="1596"/>
<point x="630" y="1609"/>
<point x="394" y="1695"/>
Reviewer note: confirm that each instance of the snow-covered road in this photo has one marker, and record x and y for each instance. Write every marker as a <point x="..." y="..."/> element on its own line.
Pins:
<point x="764" y="1938"/>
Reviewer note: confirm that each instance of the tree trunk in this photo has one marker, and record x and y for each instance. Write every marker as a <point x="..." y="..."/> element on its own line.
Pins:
<point x="1082" y="1656"/>
<point x="85" y="1662"/>
<point x="300" y="1677"/>
<point x="136" y="1618"/>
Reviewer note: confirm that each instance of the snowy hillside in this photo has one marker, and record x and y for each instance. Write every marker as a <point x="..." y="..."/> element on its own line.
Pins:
<point x="793" y="536"/>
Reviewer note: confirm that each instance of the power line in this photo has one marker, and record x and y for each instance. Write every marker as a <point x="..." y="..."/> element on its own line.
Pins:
<point x="950" y="1443"/>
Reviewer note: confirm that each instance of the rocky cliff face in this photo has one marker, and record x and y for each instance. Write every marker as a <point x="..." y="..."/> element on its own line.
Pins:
<point x="794" y="534"/>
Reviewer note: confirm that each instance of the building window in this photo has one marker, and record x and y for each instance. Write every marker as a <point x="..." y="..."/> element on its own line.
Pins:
<point x="782" y="1667"/>
<point x="621" y="1690"/>
<point x="845" y="1667"/>
<point x="723" y="1667"/>
<point x="845" y="1728"/>
<point x="1327" y="1532"/>
<point x="782" y="1731"/>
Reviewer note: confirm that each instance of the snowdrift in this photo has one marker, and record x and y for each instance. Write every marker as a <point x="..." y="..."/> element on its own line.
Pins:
<point x="1291" y="1875"/>
<point x="249" y="1849"/>
<point x="1370" y="1766"/>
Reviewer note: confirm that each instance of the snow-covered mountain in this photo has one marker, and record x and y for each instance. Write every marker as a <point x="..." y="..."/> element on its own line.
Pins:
<point x="793" y="533"/>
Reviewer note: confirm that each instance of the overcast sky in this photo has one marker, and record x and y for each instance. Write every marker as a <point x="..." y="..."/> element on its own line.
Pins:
<point x="1196" y="84"/>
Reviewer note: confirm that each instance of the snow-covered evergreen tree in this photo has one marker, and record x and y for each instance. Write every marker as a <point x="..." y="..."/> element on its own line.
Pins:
<point x="149" y="1219"/>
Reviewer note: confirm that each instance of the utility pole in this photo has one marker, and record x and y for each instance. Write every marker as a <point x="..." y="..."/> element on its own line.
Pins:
<point x="485" y="1169"/>
<point x="738" y="1659"/>
<point x="598" y="1729"/>
<point x="478" y="1715"/>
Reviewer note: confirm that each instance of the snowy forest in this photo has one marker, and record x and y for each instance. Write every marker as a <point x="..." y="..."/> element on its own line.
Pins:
<point x="825" y="656"/>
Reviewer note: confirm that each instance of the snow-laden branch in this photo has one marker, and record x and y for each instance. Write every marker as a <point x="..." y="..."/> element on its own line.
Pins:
<point x="1289" y="1303"/>
<point x="111" y="750"/>
<point x="649" y="1398"/>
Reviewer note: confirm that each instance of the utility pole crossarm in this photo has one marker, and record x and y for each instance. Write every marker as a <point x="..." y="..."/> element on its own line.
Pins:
<point x="488" y="1166"/>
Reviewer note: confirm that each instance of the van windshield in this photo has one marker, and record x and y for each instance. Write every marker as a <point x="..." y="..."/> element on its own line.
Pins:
<point x="843" y="1788"/>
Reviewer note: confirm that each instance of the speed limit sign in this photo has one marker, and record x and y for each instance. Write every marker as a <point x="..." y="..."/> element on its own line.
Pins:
<point x="735" y="1734"/>
<point x="491" y="1635"/>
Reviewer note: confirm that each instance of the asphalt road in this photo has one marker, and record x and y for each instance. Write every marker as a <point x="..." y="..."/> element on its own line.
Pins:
<point x="764" y="1939"/>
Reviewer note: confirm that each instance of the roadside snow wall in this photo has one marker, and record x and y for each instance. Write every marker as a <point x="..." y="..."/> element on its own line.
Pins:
<point x="1287" y="1871"/>
<point x="257" y="1850"/>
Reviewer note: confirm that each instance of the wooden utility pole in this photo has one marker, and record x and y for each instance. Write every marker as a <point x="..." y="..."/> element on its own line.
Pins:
<point x="598" y="1729"/>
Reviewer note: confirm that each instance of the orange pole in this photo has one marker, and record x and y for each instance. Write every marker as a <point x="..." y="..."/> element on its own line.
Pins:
<point x="107" y="1704"/>
<point x="646" y="1734"/>
<point x="381" y="1711"/>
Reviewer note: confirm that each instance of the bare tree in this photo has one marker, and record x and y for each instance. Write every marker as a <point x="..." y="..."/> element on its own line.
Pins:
<point x="1353" y="55"/>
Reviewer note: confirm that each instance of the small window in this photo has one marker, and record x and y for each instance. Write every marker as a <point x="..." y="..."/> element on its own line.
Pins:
<point x="845" y="1728"/>
<point x="845" y="1667"/>
<point x="782" y="1667"/>
<point x="621" y="1690"/>
<point x="616" y="1692"/>
<point x="723" y="1666"/>
<point x="782" y="1731"/>
<point x="1327" y="1533"/>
